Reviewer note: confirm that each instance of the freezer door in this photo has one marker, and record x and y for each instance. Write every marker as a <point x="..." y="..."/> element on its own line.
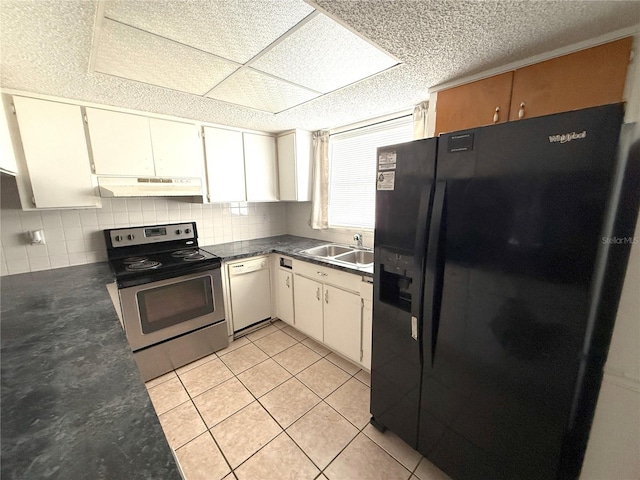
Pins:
<point x="523" y="211"/>
<point x="402" y="206"/>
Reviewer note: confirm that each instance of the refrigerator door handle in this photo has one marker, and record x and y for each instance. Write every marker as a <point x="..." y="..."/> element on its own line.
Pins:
<point x="422" y="230"/>
<point x="423" y="211"/>
<point x="434" y="270"/>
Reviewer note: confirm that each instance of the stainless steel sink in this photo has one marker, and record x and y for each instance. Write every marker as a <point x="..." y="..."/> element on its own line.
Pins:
<point x="360" y="258"/>
<point x="352" y="256"/>
<point x="327" y="250"/>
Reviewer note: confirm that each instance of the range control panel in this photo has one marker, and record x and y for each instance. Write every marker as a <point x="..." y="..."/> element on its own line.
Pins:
<point x="127" y="237"/>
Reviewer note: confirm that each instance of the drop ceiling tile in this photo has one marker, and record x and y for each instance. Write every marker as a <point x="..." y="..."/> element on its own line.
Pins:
<point x="251" y="88"/>
<point x="323" y="55"/>
<point x="233" y="29"/>
<point x="130" y="53"/>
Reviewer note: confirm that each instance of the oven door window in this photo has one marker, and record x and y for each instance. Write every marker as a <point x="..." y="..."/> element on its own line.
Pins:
<point x="169" y="305"/>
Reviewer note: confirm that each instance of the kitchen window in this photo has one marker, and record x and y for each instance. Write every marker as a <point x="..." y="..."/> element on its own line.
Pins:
<point x="352" y="170"/>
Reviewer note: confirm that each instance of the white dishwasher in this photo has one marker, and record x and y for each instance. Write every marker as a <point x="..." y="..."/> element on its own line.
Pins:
<point x="250" y="292"/>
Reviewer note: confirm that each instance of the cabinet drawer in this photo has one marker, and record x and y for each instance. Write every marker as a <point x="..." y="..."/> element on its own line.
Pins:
<point x="329" y="276"/>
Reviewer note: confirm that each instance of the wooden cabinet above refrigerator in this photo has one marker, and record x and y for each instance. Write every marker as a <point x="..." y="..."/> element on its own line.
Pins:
<point x="587" y="78"/>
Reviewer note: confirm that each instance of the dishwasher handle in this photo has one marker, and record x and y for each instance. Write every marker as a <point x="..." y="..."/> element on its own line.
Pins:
<point x="249" y="266"/>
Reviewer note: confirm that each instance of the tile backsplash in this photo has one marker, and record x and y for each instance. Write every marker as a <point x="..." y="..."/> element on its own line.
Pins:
<point x="74" y="237"/>
<point x="298" y="215"/>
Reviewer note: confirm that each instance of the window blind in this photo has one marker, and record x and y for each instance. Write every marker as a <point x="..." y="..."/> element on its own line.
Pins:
<point x="352" y="170"/>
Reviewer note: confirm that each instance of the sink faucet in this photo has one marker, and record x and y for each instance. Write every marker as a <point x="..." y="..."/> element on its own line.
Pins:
<point x="358" y="238"/>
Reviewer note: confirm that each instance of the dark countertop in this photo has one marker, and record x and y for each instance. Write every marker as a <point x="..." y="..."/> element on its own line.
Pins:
<point x="73" y="403"/>
<point x="289" y="245"/>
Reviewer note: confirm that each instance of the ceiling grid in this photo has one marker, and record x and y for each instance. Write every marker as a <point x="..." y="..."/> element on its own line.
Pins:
<point x="46" y="48"/>
<point x="271" y="61"/>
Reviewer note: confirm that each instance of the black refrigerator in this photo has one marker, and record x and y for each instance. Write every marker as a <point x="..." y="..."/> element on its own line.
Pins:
<point x="498" y="269"/>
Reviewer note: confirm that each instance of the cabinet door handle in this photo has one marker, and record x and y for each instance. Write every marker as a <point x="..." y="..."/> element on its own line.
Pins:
<point x="496" y="115"/>
<point x="326" y="296"/>
<point x="318" y="293"/>
<point x="322" y="274"/>
<point x="287" y="282"/>
<point x="521" y="111"/>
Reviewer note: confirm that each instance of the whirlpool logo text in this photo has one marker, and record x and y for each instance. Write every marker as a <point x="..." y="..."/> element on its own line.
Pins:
<point x="567" y="137"/>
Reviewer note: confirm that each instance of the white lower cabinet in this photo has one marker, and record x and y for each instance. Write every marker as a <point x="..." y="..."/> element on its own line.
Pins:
<point x="308" y="307"/>
<point x="284" y="295"/>
<point x="334" y="307"/>
<point x="366" y="296"/>
<point x="342" y="322"/>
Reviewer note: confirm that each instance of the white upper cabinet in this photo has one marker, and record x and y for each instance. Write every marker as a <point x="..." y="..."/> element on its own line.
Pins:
<point x="120" y="143"/>
<point x="7" y="155"/>
<point x="260" y="167"/>
<point x="225" y="165"/>
<point x="177" y="148"/>
<point x="294" y="166"/>
<point x="133" y="145"/>
<point x="56" y="154"/>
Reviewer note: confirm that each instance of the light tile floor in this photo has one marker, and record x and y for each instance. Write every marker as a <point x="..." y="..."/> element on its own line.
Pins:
<point x="278" y="405"/>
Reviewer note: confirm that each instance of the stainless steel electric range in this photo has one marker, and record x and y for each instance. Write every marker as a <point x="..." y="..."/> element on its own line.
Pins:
<point x="170" y="294"/>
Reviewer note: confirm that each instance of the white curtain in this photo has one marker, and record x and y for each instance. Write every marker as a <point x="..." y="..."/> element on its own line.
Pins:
<point x="320" y="187"/>
<point x="420" y="120"/>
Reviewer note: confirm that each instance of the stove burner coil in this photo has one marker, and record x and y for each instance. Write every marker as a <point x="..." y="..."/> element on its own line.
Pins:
<point x="185" y="253"/>
<point x="143" y="265"/>
<point x="193" y="258"/>
<point x="130" y="260"/>
<point x="188" y="255"/>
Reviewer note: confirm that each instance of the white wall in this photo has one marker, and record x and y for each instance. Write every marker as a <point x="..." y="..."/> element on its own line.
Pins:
<point x="74" y="237"/>
<point x="298" y="215"/>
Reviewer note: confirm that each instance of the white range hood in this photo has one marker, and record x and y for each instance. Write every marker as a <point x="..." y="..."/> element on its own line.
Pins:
<point x="149" y="187"/>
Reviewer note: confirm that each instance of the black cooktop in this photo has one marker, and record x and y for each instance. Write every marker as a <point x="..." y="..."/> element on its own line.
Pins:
<point x="159" y="262"/>
<point x="141" y="269"/>
<point x="139" y="255"/>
